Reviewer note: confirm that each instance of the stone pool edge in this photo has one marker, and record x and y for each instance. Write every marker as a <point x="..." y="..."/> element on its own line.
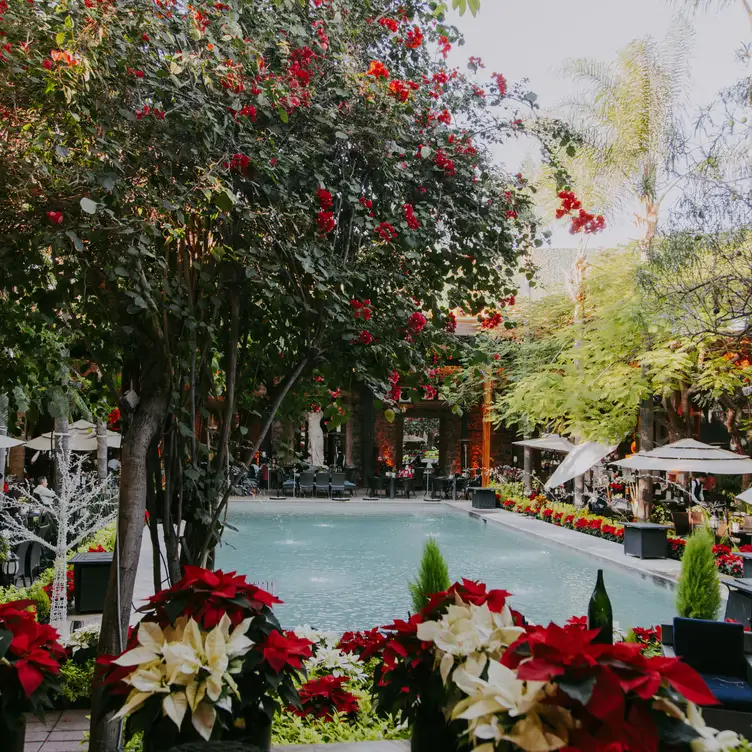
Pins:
<point x="665" y="573"/>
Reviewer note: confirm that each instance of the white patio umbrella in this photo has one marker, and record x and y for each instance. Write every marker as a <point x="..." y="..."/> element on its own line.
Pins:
<point x="79" y="441"/>
<point x="6" y="442"/>
<point x="552" y="442"/>
<point x="746" y="496"/>
<point x="579" y="461"/>
<point x="689" y="456"/>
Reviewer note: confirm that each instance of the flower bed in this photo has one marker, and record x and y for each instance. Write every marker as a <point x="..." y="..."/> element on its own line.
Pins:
<point x="566" y="515"/>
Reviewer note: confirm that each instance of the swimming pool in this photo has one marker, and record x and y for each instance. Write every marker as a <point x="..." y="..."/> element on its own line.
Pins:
<point x="346" y="566"/>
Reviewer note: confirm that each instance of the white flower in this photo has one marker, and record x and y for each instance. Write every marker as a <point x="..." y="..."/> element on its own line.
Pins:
<point x="184" y="657"/>
<point x="710" y="740"/>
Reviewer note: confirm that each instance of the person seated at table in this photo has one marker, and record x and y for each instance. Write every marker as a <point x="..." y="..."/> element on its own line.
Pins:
<point x="43" y="491"/>
<point x="407" y="471"/>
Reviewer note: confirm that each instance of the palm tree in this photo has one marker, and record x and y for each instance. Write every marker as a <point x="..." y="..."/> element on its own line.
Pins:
<point x="712" y="4"/>
<point x="628" y="113"/>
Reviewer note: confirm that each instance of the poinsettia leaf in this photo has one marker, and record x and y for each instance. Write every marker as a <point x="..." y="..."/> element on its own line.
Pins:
<point x="6" y="637"/>
<point x="581" y="691"/>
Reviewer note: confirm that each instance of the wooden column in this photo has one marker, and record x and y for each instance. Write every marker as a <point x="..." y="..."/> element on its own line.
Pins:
<point x="527" y="468"/>
<point x="486" y="463"/>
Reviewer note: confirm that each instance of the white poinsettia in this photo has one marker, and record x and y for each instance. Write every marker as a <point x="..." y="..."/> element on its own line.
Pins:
<point x="333" y="661"/>
<point x="466" y="630"/>
<point x="193" y="669"/>
<point x="710" y="740"/>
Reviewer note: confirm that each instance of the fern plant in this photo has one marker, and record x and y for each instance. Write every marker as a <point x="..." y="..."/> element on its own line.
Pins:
<point x="698" y="595"/>
<point x="433" y="576"/>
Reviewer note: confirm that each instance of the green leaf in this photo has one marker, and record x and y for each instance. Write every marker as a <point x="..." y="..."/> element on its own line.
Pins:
<point x="89" y="206"/>
<point x="389" y="416"/>
<point x="224" y="201"/>
<point x="60" y="38"/>
<point x="581" y="691"/>
<point x="283" y="116"/>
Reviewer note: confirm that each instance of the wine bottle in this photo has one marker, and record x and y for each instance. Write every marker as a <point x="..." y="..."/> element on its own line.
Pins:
<point x="600" y="616"/>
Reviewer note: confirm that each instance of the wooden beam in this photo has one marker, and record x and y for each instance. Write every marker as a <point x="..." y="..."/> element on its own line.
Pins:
<point x="486" y="462"/>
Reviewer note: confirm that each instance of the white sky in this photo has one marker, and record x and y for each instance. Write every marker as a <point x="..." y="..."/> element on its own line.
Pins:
<point x="531" y="38"/>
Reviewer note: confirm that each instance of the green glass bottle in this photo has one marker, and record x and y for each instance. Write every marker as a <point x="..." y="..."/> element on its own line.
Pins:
<point x="599" y="615"/>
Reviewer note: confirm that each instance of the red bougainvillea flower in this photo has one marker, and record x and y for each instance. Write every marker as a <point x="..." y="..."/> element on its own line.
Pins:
<point x="491" y="320"/>
<point x="451" y="324"/>
<point x="321" y="697"/>
<point x="238" y="162"/>
<point x="444" y="46"/>
<point x="326" y="222"/>
<point x="48" y="64"/>
<point x="365" y="337"/>
<point x="389" y="23"/>
<point x="445" y="117"/>
<point x="417" y="322"/>
<point x="285" y="650"/>
<point x="363" y="644"/>
<point x="361" y="309"/>
<point x="400" y="90"/>
<point x="411" y="219"/>
<point x="385" y="231"/>
<point x="55" y="217"/>
<point x="501" y="83"/>
<point x="377" y="70"/>
<point x="206" y="595"/>
<point x="325" y="198"/>
<point x="136" y="73"/>
<point x="414" y="38"/>
<point x="444" y="162"/>
<point x="144" y="37"/>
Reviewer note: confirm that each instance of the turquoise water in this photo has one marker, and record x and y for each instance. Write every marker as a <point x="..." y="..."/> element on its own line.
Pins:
<point x="340" y="566"/>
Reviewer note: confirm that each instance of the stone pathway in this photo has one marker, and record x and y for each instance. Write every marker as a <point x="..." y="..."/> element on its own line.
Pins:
<point x="394" y="746"/>
<point x="60" y="732"/>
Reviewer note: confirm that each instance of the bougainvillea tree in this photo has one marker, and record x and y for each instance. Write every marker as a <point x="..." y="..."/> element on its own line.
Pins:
<point x="201" y="191"/>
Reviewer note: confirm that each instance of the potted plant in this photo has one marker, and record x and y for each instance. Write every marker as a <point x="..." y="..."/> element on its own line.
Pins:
<point x="544" y="688"/>
<point x="263" y="676"/>
<point x="30" y="658"/>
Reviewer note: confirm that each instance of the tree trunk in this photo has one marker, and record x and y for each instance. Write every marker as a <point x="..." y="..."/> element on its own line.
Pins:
<point x="61" y="439"/>
<point x="154" y="477"/>
<point x="645" y="485"/>
<point x="144" y="425"/>
<point x="101" y="449"/>
<point x="3" y="432"/>
<point x="172" y="548"/>
<point x="527" y="469"/>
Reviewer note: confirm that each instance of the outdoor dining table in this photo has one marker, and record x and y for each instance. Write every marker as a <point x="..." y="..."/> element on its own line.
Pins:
<point x="739" y="604"/>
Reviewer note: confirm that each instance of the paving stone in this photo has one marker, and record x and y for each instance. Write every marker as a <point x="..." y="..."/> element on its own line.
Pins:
<point x="383" y="746"/>
<point x="32" y="746"/>
<point x="70" y="735"/>
<point x="70" y="746"/>
<point x="36" y="733"/>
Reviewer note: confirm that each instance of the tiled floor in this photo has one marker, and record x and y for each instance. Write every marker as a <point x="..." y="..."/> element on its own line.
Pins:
<point x="61" y="732"/>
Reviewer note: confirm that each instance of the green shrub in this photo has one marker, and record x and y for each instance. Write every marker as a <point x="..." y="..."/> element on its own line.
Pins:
<point x="365" y="727"/>
<point x="104" y="537"/>
<point x="433" y="576"/>
<point x="34" y="593"/>
<point x="698" y="595"/>
<point x="76" y="679"/>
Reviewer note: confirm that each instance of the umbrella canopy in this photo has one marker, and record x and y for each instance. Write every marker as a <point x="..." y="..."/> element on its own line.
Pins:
<point x="552" y="442"/>
<point x="689" y="456"/>
<point x="579" y="461"/>
<point x="412" y="439"/>
<point x="80" y="440"/>
<point x="746" y="496"/>
<point x="6" y="442"/>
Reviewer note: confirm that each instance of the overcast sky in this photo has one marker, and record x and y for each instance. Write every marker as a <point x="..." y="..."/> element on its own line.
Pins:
<point x="531" y="39"/>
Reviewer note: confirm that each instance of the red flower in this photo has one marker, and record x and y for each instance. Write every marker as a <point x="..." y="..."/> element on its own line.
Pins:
<point x="414" y="38"/>
<point x="206" y="595"/>
<point x="444" y="46"/>
<point x="377" y="70"/>
<point x="444" y="162"/>
<point x="55" y="217"/>
<point x="325" y="198"/>
<point x="145" y="37"/>
<point x="417" y="322"/>
<point x="285" y="650"/>
<point x="386" y="232"/>
<point x="326" y="222"/>
<point x="491" y="320"/>
<point x="238" y="162"/>
<point x="412" y="220"/>
<point x="445" y="117"/>
<point x="451" y="324"/>
<point x="320" y="698"/>
<point x="389" y="23"/>
<point x="577" y="621"/>
<point x="363" y="644"/>
<point x="365" y="337"/>
<point x="469" y="591"/>
<point x="48" y="64"/>
<point x="501" y="83"/>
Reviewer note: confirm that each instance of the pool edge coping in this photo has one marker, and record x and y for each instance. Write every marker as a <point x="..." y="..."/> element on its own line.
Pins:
<point x="631" y="566"/>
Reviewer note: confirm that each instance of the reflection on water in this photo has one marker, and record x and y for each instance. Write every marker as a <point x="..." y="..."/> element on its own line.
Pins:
<point x="349" y="570"/>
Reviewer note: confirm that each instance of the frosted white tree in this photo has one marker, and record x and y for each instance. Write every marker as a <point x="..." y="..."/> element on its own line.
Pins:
<point x="82" y="505"/>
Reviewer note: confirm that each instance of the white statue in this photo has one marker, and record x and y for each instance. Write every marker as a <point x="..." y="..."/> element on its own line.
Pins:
<point x="315" y="439"/>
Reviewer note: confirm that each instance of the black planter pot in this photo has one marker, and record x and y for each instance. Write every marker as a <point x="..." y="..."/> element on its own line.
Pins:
<point x="258" y="730"/>
<point x="431" y="732"/>
<point x="13" y="738"/>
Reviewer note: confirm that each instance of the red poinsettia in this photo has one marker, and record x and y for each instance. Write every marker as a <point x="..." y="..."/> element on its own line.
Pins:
<point x="288" y="649"/>
<point x="29" y="651"/>
<point x="470" y="592"/>
<point x="206" y="595"/>
<point x="365" y="645"/>
<point x="321" y="697"/>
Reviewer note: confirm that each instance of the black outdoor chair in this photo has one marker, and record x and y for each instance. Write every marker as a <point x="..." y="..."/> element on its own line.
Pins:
<point x="716" y="650"/>
<point x="681" y="523"/>
<point x="322" y="482"/>
<point x="461" y="486"/>
<point x="377" y="485"/>
<point x="306" y="483"/>
<point x="337" y="484"/>
<point x="407" y="487"/>
<point x="22" y="552"/>
<point x="34" y="556"/>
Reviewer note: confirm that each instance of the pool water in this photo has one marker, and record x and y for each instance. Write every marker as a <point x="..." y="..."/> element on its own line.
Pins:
<point x="339" y="566"/>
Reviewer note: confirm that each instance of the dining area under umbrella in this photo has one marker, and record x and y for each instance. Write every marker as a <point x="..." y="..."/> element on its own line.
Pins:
<point x="688" y="456"/>
<point x="82" y="437"/>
